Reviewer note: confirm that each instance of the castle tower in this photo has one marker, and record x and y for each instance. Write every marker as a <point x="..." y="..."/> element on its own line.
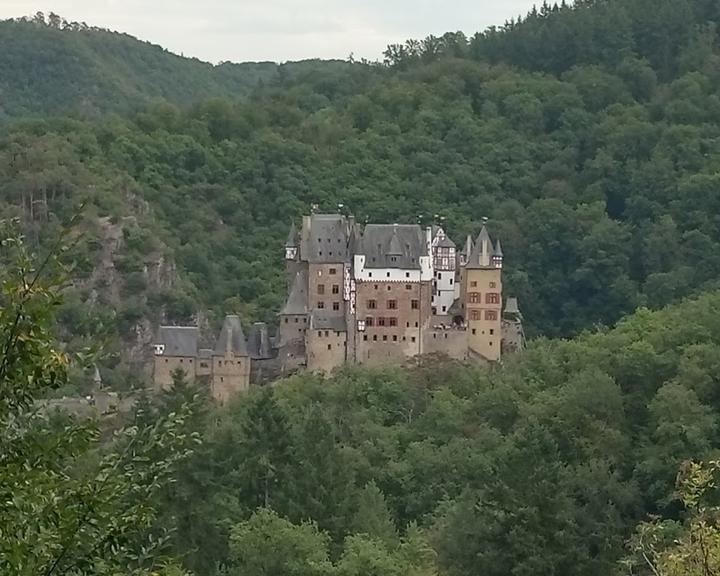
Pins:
<point x="483" y="297"/>
<point x="231" y="361"/>
<point x="292" y="254"/>
<point x="176" y="348"/>
<point x="445" y="278"/>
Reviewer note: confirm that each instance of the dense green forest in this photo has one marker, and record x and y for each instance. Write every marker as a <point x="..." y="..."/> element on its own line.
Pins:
<point x="588" y="134"/>
<point x="594" y="155"/>
<point x="542" y="467"/>
<point x="52" y="66"/>
<point x="555" y="463"/>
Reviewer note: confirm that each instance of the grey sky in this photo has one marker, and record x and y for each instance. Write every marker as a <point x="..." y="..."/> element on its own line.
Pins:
<point x="243" y="30"/>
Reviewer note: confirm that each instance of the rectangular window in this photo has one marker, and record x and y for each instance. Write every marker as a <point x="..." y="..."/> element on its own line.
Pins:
<point x="474" y="298"/>
<point x="493" y="284"/>
<point x="321" y="289"/>
<point x="369" y="321"/>
<point x="329" y="346"/>
<point x="333" y="271"/>
<point x="475" y="315"/>
<point x="319" y="333"/>
<point x="336" y="289"/>
<point x="408" y="286"/>
<point x="286" y="320"/>
<point x="473" y="284"/>
<point x="381" y="321"/>
<point x="372" y="304"/>
<point x="492" y="298"/>
<point x="394" y="338"/>
<point x="365" y="338"/>
<point x="491" y="315"/>
<point x="413" y="338"/>
<point x="392" y="304"/>
<point x="321" y="305"/>
<point x="336" y="306"/>
<point x="393" y="321"/>
<point x="415" y="304"/>
<point x="327" y="333"/>
<point x="384" y="337"/>
<point x="374" y="337"/>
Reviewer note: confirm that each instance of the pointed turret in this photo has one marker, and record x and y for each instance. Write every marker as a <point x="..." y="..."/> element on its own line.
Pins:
<point x="231" y="341"/>
<point x="497" y="257"/>
<point x="296" y="304"/>
<point x="482" y="250"/>
<point x="291" y="241"/>
<point x="466" y="251"/>
<point x="498" y="249"/>
<point x="291" y="244"/>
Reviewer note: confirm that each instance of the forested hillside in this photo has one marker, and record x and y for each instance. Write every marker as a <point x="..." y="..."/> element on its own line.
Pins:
<point x="588" y="135"/>
<point x="51" y="66"/>
<point x="595" y="159"/>
<point x="542" y="467"/>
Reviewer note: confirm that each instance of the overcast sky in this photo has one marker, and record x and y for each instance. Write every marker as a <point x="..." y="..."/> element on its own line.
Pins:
<point x="280" y="30"/>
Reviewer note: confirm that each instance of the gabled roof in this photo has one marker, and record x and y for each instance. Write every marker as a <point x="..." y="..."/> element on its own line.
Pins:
<point x="292" y="239"/>
<point x="325" y="239"/>
<point x="179" y="340"/>
<point x="324" y="321"/>
<point x="446" y="242"/>
<point x="393" y="246"/>
<point x="297" y="302"/>
<point x="232" y="338"/>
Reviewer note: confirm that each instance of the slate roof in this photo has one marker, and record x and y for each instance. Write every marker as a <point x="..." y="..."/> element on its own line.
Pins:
<point x="291" y="241"/>
<point x="512" y="308"/>
<point x="320" y="321"/>
<point x="297" y="302"/>
<point x="231" y="338"/>
<point x="393" y="246"/>
<point x="179" y="340"/>
<point x="446" y="242"/>
<point x="326" y="239"/>
<point x="468" y="248"/>
<point x="259" y="344"/>
<point x="479" y="258"/>
<point x="498" y="249"/>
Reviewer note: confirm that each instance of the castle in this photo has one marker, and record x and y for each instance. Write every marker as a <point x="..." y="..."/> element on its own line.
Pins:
<point x="374" y="294"/>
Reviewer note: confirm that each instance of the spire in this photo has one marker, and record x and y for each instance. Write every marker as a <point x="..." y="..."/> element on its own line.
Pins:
<point x="232" y="338"/>
<point x="297" y="300"/>
<point x="498" y="249"/>
<point x="468" y="245"/>
<point x="482" y="251"/>
<point x="292" y="237"/>
<point x="395" y="244"/>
